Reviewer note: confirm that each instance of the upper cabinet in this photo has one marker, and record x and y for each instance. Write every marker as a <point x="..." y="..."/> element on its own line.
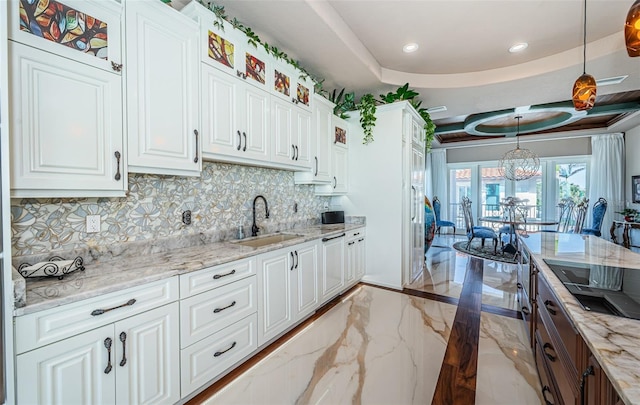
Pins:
<point x="66" y="98"/>
<point x="291" y="85"/>
<point x="162" y="80"/>
<point x="339" y="175"/>
<point x="320" y="143"/>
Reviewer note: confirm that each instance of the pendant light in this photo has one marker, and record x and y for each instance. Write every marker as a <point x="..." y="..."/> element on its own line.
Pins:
<point x="584" y="89"/>
<point x="519" y="164"/>
<point x="632" y="30"/>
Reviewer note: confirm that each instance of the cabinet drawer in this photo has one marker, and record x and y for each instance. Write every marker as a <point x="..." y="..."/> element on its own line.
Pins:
<point x="550" y="306"/>
<point x="549" y="393"/>
<point x="565" y="380"/>
<point x="213" y="277"/>
<point x="205" y="360"/>
<point x="356" y="233"/>
<point x="41" y="328"/>
<point x="206" y="313"/>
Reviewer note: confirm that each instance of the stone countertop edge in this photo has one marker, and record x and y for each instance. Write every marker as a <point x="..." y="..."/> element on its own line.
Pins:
<point x="104" y="277"/>
<point x="614" y="341"/>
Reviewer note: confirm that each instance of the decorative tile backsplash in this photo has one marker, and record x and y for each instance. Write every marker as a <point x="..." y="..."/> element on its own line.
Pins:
<point x="219" y="200"/>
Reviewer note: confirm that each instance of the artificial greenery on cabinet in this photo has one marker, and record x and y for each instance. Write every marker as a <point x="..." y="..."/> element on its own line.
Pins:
<point x="344" y="102"/>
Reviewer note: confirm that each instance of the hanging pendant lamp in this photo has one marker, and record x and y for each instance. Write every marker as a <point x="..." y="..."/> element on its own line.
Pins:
<point x="519" y="164"/>
<point x="584" y="89"/>
<point x="632" y="30"/>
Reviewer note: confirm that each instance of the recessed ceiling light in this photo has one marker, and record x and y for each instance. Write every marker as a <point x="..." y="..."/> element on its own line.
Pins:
<point x="408" y="48"/>
<point x="611" y="80"/>
<point x="519" y="47"/>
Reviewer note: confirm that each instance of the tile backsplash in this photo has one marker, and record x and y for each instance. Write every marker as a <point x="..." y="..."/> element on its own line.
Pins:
<point x="219" y="200"/>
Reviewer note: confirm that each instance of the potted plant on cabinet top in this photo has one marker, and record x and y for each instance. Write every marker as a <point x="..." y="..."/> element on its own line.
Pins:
<point x="629" y="214"/>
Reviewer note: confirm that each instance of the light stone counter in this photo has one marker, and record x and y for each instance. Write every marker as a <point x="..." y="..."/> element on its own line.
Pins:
<point x="131" y="269"/>
<point x="614" y="341"/>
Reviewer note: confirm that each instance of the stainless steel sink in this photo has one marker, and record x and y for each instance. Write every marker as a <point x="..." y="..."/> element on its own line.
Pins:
<point x="265" y="240"/>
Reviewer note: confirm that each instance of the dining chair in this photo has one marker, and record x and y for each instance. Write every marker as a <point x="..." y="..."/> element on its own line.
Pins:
<point x="473" y="231"/>
<point x="581" y="214"/>
<point x="597" y="212"/>
<point x="439" y="222"/>
<point x="565" y="209"/>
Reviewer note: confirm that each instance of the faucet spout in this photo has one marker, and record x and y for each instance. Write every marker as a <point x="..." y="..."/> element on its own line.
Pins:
<point x="254" y="227"/>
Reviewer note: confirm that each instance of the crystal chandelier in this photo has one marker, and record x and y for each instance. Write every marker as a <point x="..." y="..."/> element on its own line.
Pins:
<point x="519" y="164"/>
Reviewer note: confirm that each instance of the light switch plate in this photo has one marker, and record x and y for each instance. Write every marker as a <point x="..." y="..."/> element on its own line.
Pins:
<point x="93" y="223"/>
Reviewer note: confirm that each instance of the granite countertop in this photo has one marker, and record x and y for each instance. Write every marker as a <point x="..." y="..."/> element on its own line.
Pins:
<point x="614" y="341"/>
<point x="101" y="277"/>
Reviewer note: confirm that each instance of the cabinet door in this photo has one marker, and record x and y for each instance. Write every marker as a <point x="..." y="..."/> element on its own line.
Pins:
<point x="274" y="293"/>
<point x="360" y="258"/>
<point x="162" y="89"/>
<point x="339" y="170"/>
<point x="77" y="370"/>
<point x="147" y="357"/>
<point x="283" y="145"/>
<point x="323" y="113"/>
<point x="67" y="127"/>
<point x="352" y="261"/>
<point x="417" y="216"/>
<point x="253" y="118"/>
<point x="333" y="267"/>
<point x="221" y="134"/>
<point x="302" y="137"/>
<point x="306" y="280"/>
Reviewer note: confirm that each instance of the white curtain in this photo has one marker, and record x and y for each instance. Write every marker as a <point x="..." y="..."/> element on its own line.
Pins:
<point x="607" y="176"/>
<point x="439" y="180"/>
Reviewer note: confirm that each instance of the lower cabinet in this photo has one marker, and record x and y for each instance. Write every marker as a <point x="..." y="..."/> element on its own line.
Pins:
<point x="287" y="292"/>
<point x="332" y="277"/>
<point x="132" y="361"/>
<point x="355" y="256"/>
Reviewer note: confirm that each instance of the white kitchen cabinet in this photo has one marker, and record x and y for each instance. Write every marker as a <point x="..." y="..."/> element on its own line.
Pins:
<point x="332" y="274"/>
<point x="320" y="144"/>
<point x="392" y="165"/>
<point x="290" y="134"/>
<point x="133" y="361"/>
<point x="355" y="256"/>
<point x="339" y="183"/>
<point x="235" y="119"/>
<point x="287" y="288"/>
<point x="291" y="85"/>
<point x="162" y="90"/>
<point x="66" y="118"/>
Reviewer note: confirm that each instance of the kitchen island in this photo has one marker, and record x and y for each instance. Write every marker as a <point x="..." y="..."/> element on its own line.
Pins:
<point x="612" y="341"/>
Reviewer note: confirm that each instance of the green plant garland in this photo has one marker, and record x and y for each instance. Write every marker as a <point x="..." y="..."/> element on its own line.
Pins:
<point x="344" y="102"/>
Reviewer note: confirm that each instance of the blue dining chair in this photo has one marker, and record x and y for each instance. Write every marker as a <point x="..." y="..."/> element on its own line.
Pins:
<point x="439" y="223"/>
<point x="598" y="211"/>
<point x="473" y="232"/>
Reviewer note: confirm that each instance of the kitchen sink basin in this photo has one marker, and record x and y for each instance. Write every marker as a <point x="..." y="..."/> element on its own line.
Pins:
<point x="265" y="240"/>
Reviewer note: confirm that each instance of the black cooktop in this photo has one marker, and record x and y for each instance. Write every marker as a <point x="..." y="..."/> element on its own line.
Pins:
<point x="598" y="288"/>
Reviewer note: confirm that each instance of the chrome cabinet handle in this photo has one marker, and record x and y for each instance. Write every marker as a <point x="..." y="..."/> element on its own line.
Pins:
<point x="218" y="354"/>
<point x="97" y="312"/>
<point x="117" y="155"/>
<point x="293" y="152"/>
<point x="360" y="240"/>
<point x="217" y="310"/>
<point x="519" y="285"/>
<point x="117" y="67"/>
<point x="107" y="344"/>
<point x="239" y="140"/>
<point x="297" y="154"/>
<point x="245" y="141"/>
<point x="583" y="380"/>
<point x="549" y="355"/>
<point x="526" y="311"/>
<point x="548" y="304"/>
<point x="291" y="269"/>
<point x="335" y="182"/>
<point x="218" y="276"/>
<point x="351" y="243"/>
<point x="195" y="159"/>
<point x="123" y="339"/>
<point x="316" y="158"/>
<point x="334" y="237"/>
<point x="296" y="259"/>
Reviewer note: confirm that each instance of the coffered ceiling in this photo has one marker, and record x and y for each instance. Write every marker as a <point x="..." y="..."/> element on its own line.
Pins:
<point x="462" y="61"/>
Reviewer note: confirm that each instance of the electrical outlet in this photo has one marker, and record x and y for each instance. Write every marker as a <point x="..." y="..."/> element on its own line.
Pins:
<point x="93" y="223"/>
<point x="186" y="217"/>
<point x="326" y="205"/>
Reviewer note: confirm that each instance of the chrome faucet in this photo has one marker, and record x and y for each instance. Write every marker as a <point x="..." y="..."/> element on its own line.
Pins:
<point x="254" y="227"/>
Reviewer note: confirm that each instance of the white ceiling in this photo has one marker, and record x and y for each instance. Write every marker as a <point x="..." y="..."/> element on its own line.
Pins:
<point x="463" y="60"/>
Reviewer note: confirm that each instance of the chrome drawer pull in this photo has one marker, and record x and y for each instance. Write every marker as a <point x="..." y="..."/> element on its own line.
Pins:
<point x="107" y="344"/>
<point x="239" y="140"/>
<point x="217" y="276"/>
<point x="548" y="304"/>
<point x="218" y="354"/>
<point x="123" y="339"/>
<point x="97" y="312"/>
<point x="526" y="311"/>
<point x="117" y="155"/>
<point x="215" y="311"/>
<point x="519" y="285"/>
<point x="195" y="159"/>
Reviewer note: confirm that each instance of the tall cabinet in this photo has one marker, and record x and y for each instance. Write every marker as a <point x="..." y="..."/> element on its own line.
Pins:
<point x="386" y="184"/>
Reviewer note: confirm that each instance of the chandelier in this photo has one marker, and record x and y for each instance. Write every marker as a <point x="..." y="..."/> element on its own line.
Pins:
<point x="519" y="164"/>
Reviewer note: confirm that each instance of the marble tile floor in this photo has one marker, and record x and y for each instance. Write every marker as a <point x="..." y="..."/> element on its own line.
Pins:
<point x="377" y="346"/>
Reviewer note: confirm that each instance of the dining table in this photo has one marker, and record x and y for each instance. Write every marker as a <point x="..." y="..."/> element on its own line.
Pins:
<point x="519" y="224"/>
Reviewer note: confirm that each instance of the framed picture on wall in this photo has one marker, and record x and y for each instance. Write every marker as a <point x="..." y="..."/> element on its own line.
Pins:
<point x="635" y="189"/>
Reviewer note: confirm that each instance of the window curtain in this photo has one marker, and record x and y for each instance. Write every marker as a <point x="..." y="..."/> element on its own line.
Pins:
<point x="607" y="177"/>
<point x="439" y="182"/>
